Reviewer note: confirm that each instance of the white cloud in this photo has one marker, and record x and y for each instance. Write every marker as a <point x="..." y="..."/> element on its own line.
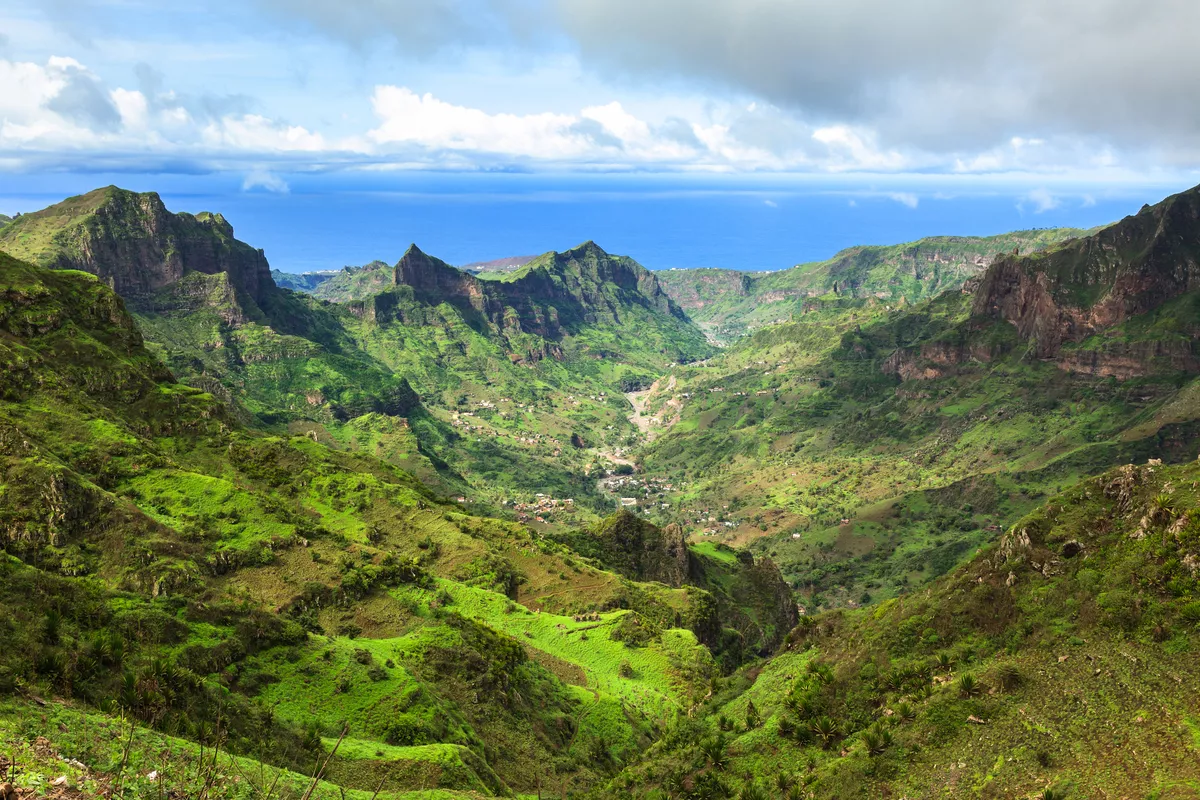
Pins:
<point x="905" y="198"/>
<point x="1041" y="200"/>
<point x="770" y="204"/>
<point x="255" y="133"/>
<point x="853" y="149"/>
<point x="409" y="118"/>
<point x="265" y="180"/>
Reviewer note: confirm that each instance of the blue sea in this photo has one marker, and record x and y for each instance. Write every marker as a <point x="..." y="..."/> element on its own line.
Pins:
<point x="328" y="221"/>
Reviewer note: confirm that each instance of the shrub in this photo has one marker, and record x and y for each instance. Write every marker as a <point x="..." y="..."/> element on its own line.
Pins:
<point x="1009" y="677"/>
<point x="825" y="730"/>
<point x="713" y="751"/>
<point x="877" y="739"/>
<point x="968" y="686"/>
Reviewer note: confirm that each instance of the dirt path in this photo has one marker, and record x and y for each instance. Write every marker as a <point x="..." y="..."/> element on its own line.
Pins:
<point x="638" y="400"/>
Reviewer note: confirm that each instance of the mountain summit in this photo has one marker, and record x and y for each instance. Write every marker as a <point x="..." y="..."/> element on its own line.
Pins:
<point x="134" y="244"/>
<point x="1094" y="283"/>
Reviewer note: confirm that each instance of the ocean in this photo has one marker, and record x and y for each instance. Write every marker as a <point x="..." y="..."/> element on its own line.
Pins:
<point x="663" y="221"/>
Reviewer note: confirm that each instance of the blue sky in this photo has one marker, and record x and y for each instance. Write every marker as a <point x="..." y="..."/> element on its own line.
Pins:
<point x="1056" y="105"/>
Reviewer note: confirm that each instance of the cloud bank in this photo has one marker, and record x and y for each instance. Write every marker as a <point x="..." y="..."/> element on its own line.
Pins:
<point x="877" y="86"/>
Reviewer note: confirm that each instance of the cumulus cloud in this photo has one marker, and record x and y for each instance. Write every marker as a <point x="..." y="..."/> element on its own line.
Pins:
<point x="940" y="80"/>
<point x="905" y="198"/>
<point x="265" y="180"/>
<point x="62" y="107"/>
<point x="1040" y="201"/>
<point x="939" y="74"/>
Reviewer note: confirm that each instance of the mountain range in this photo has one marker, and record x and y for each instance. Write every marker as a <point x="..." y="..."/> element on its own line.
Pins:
<point x="916" y="521"/>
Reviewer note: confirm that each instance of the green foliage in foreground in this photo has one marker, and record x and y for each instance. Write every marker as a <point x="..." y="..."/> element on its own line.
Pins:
<point x="180" y="574"/>
<point x="1062" y="657"/>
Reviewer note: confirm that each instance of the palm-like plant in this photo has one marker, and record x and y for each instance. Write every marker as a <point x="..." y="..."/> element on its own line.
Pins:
<point x="826" y="731"/>
<point x="675" y="784"/>
<point x="904" y="712"/>
<point x="752" y="791"/>
<point x="784" y="782"/>
<point x="968" y="686"/>
<point x="714" y="752"/>
<point x="877" y="739"/>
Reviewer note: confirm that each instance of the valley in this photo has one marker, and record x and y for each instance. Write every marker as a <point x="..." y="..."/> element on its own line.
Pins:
<point x="916" y="521"/>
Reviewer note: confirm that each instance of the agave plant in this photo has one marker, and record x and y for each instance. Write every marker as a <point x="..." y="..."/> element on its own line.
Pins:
<point x="822" y="672"/>
<point x="877" y="739"/>
<point x="968" y="686"/>
<point x="826" y="731"/>
<point x="714" y="752"/>
<point x="675" y="784"/>
<point x="752" y="791"/>
<point x="1009" y="677"/>
<point x="784" y="782"/>
<point x="944" y="661"/>
<point x="904" y="712"/>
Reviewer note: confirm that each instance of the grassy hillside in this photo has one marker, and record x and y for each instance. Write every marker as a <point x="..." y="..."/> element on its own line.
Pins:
<point x="870" y="452"/>
<point x="729" y="304"/>
<point x="267" y="595"/>
<point x="1059" y="662"/>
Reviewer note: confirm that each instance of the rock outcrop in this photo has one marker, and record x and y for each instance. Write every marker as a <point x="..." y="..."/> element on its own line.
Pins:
<point x="135" y="245"/>
<point x="643" y="551"/>
<point x="552" y="296"/>
<point x="1094" y="283"/>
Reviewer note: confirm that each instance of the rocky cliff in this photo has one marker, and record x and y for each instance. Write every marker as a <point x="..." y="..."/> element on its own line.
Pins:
<point x="551" y="296"/>
<point x="135" y="245"/>
<point x="1095" y="283"/>
<point x="645" y="552"/>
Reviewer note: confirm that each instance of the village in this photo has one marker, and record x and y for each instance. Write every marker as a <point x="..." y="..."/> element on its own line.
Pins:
<point x="542" y="507"/>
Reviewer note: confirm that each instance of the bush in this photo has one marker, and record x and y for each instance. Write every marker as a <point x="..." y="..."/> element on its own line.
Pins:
<point x="877" y="739"/>
<point x="1009" y="677"/>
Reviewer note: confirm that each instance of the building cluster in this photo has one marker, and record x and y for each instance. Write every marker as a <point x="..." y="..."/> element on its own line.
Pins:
<point x="542" y="507"/>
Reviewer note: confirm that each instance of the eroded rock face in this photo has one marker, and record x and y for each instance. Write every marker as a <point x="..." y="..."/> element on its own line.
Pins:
<point x="552" y="297"/>
<point x="1091" y="284"/>
<point x="642" y="551"/>
<point x="935" y="359"/>
<point x="135" y="245"/>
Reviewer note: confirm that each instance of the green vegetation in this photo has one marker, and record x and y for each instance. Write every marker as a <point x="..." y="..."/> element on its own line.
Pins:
<point x="1061" y="656"/>
<point x="728" y="304"/>
<point x="358" y="542"/>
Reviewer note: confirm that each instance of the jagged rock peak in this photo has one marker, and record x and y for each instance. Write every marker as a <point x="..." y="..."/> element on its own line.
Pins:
<point x="133" y="243"/>
<point x="1092" y="283"/>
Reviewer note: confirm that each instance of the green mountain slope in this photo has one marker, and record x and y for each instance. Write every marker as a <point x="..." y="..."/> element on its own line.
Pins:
<point x="345" y="372"/>
<point x="529" y="370"/>
<point x="270" y="596"/>
<point x="868" y="456"/>
<point x="729" y="304"/>
<point x="1058" y="662"/>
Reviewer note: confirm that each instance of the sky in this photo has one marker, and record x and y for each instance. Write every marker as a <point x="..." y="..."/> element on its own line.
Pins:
<point x="1027" y="112"/>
